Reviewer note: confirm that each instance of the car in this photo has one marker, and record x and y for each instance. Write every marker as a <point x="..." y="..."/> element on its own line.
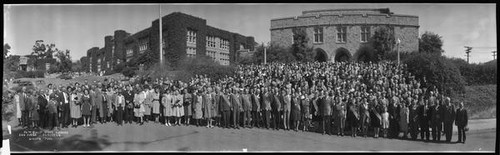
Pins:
<point x="30" y="86"/>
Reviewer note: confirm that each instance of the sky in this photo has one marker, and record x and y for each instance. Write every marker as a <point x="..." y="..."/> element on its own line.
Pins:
<point x="82" y="26"/>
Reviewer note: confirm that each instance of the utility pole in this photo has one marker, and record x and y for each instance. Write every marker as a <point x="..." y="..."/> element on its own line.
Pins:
<point x="494" y="54"/>
<point x="160" y="45"/>
<point x="467" y="51"/>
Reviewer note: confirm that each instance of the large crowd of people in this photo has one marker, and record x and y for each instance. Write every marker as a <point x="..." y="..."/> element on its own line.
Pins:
<point x="343" y="98"/>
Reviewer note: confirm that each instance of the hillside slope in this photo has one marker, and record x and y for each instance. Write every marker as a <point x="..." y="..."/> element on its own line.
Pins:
<point x="480" y="101"/>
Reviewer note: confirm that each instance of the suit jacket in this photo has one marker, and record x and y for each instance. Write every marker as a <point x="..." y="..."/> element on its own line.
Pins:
<point x="225" y="103"/>
<point x="235" y="102"/>
<point x="461" y="117"/>
<point x="449" y="114"/>
<point x="327" y="105"/>
<point x="247" y="102"/>
<point x="42" y="101"/>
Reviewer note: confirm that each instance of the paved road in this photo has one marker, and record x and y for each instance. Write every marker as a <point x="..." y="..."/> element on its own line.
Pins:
<point x="154" y="137"/>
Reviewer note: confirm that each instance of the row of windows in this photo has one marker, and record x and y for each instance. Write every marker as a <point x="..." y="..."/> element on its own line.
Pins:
<point x="341" y="34"/>
<point x="191" y="36"/>
<point x="143" y="45"/>
<point x="217" y="42"/>
<point x="191" y="50"/>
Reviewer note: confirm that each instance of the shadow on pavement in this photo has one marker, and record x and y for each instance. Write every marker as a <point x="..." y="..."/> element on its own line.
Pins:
<point x="164" y="139"/>
<point x="43" y="143"/>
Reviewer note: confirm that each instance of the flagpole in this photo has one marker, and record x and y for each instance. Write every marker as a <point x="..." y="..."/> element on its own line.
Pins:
<point x="160" y="45"/>
<point x="265" y="53"/>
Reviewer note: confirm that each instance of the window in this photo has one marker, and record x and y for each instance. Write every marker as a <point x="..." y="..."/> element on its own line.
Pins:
<point x="211" y="41"/>
<point x="191" y="52"/>
<point x="365" y="33"/>
<point x="129" y="52"/>
<point x="143" y="45"/>
<point x="341" y="34"/>
<point x="318" y="34"/>
<point x="191" y="36"/>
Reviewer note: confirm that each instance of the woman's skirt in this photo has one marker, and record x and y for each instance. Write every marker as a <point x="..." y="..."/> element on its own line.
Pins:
<point x="385" y="120"/>
<point x="156" y="107"/>
<point x="179" y="111"/>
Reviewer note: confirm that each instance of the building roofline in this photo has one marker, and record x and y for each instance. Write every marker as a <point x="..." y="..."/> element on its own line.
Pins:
<point x="353" y="14"/>
<point x="352" y="9"/>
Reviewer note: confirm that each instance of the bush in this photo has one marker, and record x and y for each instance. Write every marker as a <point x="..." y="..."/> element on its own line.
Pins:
<point x="203" y="65"/>
<point x="439" y="72"/>
<point x="365" y="53"/>
<point x="477" y="74"/>
<point x="30" y="74"/>
<point x="129" y="71"/>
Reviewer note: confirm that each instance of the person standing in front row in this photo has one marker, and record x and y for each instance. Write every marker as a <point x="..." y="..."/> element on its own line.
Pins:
<point x="120" y="101"/>
<point x="188" y="110"/>
<point x="449" y="117"/>
<point x="256" y="115"/>
<point x="197" y="106"/>
<point x="156" y="104"/>
<point x="236" y="105"/>
<point x="461" y="122"/>
<point x="226" y="108"/>
<point x="86" y="108"/>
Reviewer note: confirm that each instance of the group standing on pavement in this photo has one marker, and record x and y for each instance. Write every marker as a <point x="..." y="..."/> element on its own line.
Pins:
<point x="343" y="98"/>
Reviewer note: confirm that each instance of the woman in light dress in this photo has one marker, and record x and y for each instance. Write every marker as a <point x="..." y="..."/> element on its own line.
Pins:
<point x="75" y="110"/>
<point x="166" y="101"/>
<point x="156" y="104"/>
<point x="179" y="108"/>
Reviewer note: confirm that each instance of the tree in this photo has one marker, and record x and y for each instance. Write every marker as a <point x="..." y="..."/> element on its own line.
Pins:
<point x="6" y="50"/>
<point x="275" y="53"/>
<point x="438" y="70"/>
<point x="430" y="43"/>
<point x="382" y="41"/>
<point x="77" y="66"/>
<point x="299" y="48"/>
<point x="64" y="64"/>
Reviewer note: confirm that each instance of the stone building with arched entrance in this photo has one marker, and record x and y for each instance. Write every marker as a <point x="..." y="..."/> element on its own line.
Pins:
<point x="337" y="34"/>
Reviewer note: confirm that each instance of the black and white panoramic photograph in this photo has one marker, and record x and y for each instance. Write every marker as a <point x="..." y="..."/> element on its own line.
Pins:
<point x="249" y="77"/>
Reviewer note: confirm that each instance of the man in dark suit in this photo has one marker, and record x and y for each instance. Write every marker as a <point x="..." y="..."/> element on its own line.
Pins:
<point x="266" y="107"/>
<point x="326" y="103"/>
<point x="256" y="115"/>
<point x="276" y="109"/>
<point x="129" y="105"/>
<point x="394" y="116"/>
<point x="43" y="101"/>
<point x="449" y="117"/>
<point x="235" y="106"/>
<point x="461" y="122"/>
<point x="65" y="115"/>
<point x="435" y="116"/>
<point x="226" y="107"/>
<point x="60" y="104"/>
<point x="423" y="115"/>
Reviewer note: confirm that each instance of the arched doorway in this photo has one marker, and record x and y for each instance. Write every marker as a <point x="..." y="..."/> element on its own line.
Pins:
<point x="342" y="54"/>
<point x="320" y="55"/>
